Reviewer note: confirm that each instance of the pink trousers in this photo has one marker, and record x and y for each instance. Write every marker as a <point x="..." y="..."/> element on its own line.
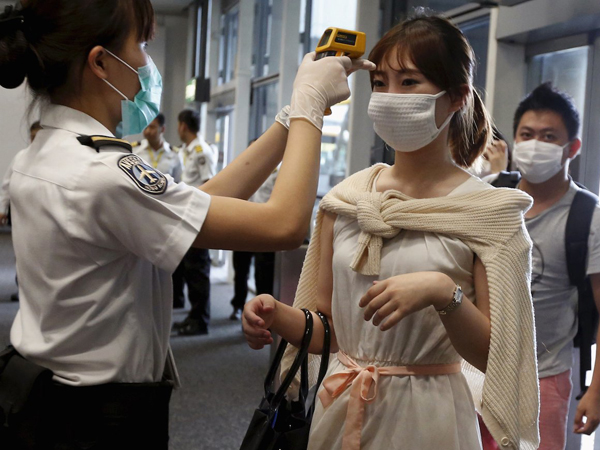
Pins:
<point x="555" y="395"/>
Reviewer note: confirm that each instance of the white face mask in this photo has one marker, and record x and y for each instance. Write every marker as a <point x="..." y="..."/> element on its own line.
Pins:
<point x="406" y="122"/>
<point x="538" y="161"/>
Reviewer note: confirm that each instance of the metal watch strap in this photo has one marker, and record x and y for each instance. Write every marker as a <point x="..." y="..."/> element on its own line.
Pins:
<point x="455" y="303"/>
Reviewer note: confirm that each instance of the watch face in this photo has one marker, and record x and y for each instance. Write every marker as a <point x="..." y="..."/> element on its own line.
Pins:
<point x="456" y="301"/>
<point x="458" y="295"/>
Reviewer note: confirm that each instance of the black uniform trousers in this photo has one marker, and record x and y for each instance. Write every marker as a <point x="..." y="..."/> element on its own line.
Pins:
<point x="194" y="270"/>
<point x="105" y="417"/>
<point x="264" y="270"/>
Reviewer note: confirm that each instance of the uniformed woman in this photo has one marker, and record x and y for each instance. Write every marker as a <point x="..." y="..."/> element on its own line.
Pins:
<point x="98" y="232"/>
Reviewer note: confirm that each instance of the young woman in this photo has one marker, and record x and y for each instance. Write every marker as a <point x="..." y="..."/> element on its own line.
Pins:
<point x="419" y="267"/>
<point x="98" y="232"/>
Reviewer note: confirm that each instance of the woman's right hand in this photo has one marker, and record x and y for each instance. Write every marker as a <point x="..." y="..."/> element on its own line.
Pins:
<point x="258" y="316"/>
<point x="321" y="84"/>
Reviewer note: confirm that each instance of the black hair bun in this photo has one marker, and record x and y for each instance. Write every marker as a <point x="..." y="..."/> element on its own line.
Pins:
<point x="13" y="49"/>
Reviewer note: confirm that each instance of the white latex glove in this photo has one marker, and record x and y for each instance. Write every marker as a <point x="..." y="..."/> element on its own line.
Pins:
<point x="360" y="64"/>
<point x="321" y="84"/>
<point x="283" y="117"/>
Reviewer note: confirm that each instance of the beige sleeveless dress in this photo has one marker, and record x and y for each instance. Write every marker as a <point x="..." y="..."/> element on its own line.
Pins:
<point x="409" y="412"/>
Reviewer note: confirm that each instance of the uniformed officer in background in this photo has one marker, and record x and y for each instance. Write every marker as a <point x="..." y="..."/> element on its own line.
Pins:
<point x="199" y="166"/>
<point x="155" y="150"/>
<point x="199" y="158"/>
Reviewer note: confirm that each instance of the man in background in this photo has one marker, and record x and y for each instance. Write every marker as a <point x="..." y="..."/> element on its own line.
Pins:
<point x="546" y="126"/>
<point x="199" y="166"/>
<point x="156" y="151"/>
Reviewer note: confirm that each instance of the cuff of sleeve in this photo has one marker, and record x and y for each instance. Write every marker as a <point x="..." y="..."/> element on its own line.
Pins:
<point x="186" y="232"/>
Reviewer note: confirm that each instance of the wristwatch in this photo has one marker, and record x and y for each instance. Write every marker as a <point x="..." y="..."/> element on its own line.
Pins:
<point x="455" y="303"/>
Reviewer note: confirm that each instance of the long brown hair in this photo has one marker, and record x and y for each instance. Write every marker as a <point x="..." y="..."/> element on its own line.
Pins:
<point x="442" y="54"/>
<point x="47" y="41"/>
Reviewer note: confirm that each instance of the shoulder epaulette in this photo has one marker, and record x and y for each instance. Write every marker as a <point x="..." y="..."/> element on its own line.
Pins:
<point x="198" y="149"/>
<point x="97" y="142"/>
<point x="136" y="144"/>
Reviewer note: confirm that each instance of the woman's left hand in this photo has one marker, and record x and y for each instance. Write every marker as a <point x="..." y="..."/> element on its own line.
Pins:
<point x="390" y="300"/>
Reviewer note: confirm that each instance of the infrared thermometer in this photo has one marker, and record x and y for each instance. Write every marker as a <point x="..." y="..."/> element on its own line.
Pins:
<point x="340" y="42"/>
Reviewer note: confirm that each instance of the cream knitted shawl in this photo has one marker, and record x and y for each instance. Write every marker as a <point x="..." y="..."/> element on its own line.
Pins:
<point x="491" y="223"/>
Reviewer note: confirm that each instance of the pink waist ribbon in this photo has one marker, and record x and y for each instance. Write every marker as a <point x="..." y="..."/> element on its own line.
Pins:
<point x="364" y="390"/>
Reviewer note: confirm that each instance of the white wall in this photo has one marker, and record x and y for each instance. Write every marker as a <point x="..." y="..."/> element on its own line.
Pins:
<point x="175" y="73"/>
<point x="14" y="123"/>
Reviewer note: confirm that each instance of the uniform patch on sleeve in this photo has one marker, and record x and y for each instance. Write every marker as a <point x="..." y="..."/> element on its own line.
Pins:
<point x="202" y="160"/>
<point x="147" y="178"/>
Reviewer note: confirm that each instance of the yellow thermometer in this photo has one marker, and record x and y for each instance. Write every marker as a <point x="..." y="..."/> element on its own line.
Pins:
<point x="340" y="42"/>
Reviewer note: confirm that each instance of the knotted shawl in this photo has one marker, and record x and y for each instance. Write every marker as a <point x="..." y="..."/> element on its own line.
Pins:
<point x="491" y="223"/>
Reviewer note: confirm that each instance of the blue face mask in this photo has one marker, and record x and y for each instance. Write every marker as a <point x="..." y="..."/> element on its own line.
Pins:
<point x="144" y="108"/>
<point x="119" y="131"/>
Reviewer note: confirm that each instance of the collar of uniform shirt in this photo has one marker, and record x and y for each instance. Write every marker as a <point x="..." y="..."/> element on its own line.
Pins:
<point x="69" y="119"/>
<point x="166" y="146"/>
<point x="192" y="145"/>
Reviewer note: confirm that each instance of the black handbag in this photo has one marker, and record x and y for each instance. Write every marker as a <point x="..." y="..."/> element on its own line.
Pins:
<point x="280" y="424"/>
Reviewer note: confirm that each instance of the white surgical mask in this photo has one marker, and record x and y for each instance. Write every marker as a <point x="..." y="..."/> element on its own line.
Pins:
<point x="406" y="122"/>
<point x="538" y="161"/>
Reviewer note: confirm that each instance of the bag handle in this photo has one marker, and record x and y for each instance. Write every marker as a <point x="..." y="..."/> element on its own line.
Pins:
<point x="324" y="362"/>
<point x="304" y="385"/>
<point x="302" y="353"/>
<point x="326" y="348"/>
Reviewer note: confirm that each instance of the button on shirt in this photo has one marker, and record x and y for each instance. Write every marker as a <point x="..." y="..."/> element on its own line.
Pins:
<point x="199" y="162"/>
<point x="165" y="159"/>
<point x="95" y="253"/>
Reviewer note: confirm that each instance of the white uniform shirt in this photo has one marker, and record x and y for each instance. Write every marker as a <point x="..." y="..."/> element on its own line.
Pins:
<point x="97" y="236"/>
<point x="165" y="159"/>
<point x="199" y="162"/>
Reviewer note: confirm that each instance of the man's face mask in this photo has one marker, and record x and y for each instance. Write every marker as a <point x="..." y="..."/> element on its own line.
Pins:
<point x="538" y="161"/>
<point x="138" y="113"/>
